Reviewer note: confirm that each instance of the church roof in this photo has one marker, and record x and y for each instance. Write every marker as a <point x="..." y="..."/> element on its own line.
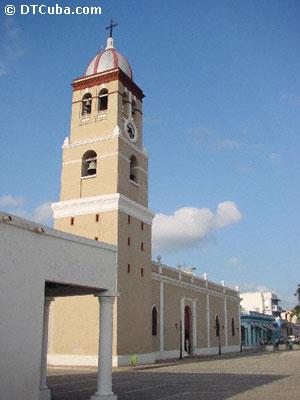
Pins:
<point x="108" y="59"/>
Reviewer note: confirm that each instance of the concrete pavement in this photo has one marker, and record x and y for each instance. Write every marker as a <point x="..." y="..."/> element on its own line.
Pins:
<point x="251" y="376"/>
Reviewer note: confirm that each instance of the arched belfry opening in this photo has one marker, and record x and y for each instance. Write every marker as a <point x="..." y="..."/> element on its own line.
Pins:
<point x="89" y="163"/>
<point x="103" y="100"/>
<point x="86" y="104"/>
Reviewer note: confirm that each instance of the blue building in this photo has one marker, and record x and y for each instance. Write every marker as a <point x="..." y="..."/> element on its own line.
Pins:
<point x="257" y="327"/>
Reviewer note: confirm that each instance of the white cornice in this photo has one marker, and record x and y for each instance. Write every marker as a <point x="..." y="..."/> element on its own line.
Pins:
<point x="116" y="134"/>
<point x="183" y="284"/>
<point x="110" y="202"/>
<point x="68" y="144"/>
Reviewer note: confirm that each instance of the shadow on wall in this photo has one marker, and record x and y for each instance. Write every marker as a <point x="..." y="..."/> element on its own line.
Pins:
<point x="137" y="385"/>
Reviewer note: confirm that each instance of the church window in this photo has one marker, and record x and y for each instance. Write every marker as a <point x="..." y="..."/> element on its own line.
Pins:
<point x="142" y="226"/>
<point x="232" y="326"/>
<point x="103" y="100"/>
<point x="154" y="321"/>
<point x="133" y="168"/>
<point x="128" y="268"/>
<point x="142" y="272"/>
<point x="86" y="104"/>
<point x="97" y="218"/>
<point x="72" y="221"/>
<point x="128" y="219"/>
<point x="142" y="246"/>
<point x="217" y="326"/>
<point x="89" y="163"/>
<point x="128" y="241"/>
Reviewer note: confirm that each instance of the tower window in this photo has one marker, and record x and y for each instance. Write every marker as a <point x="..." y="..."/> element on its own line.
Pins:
<point x="142" y="226"/>
<point x="232" y="326"/>
<point x="72" y="221"/>
<point x="154" y="321"/>
<point x="89" y="163"/>
<point x="142" y="246"/>
<point x="86" y="104"/>
<point x="133" y="169"/>
<point x="128" y="268"/>
<point x="128" y="241"/>
<point x="97" y="218"/>
<point x="103" y="100"/>
<point x="142" y="272"/>
<point x="128" y="219"/>
<point x="133" y="107"/>
<point x="125" y="104"/>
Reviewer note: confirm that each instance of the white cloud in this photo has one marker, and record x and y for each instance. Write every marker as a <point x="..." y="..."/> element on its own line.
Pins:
<point x="291" y="99"/>
<point x="42" y="213"/>
<point x="11" y="201"/>
<point x="189" y="226"/>
<point x="230" y="144"/>
<point x="254" y="287"/>
<point x="274" y="157"/>
<point x="11" y="47"/>
<point x="235" y="261"/>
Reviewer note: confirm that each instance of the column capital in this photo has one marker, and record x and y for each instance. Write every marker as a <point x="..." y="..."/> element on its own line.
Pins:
<point x="106" y="298"/>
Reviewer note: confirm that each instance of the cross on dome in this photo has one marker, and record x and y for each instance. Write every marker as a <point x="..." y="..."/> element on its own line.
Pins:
<point x="110" y="41"/>
<point x="111" y="27"/>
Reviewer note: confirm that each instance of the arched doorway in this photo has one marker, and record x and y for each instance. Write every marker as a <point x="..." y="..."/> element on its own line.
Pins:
<point x="187" y="329"/>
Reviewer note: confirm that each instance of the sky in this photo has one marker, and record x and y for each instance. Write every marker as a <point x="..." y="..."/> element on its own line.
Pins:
<point x="221" y="125"/>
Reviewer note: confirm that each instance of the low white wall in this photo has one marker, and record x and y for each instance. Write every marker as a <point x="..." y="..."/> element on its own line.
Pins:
<point x="28" y="259"/>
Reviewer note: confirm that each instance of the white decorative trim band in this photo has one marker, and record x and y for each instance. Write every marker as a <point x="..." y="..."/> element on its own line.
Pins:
<point x="123" y="360"/>
<point x="181" y="283"/>
<point x="116" y="134"/>
<point x="77" y="360"/>
<point x="110" y="202"/>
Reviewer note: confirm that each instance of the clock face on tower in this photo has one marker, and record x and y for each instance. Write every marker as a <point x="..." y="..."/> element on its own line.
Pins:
<point x="130" y="131"/>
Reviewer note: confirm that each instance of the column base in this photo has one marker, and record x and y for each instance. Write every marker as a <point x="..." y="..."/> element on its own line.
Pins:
<point x="97" y="396"/>
<point x="45" y="394"/>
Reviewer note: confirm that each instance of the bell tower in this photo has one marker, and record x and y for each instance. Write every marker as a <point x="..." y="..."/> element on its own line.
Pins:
<point x="104" y="196"/>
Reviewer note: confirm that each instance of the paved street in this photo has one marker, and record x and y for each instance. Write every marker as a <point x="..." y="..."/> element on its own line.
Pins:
<point x="255" y="376"/>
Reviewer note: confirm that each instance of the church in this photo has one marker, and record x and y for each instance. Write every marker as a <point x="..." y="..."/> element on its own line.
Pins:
<point x="160" y="312"/>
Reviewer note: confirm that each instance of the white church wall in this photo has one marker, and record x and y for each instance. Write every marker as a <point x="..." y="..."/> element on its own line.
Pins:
<point x="28" y="259"/>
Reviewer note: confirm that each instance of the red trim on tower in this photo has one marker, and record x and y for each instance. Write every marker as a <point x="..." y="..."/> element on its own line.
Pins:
<point x="105" y="77"/>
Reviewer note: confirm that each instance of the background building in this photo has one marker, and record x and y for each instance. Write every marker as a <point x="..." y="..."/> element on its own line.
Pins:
<point x="263" y="302"/>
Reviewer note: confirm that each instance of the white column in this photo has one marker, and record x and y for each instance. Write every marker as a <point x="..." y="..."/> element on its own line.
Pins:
<point x="194" y="341"/>
<point x="104" y="384"/>
<point x="225" y="323"/>
<point x="45" y="393"/>
<point x="208" y="321"/>
<point x="161" y="319"/>
<point x="240" y="325"/>
<point x="182" y="323"/>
